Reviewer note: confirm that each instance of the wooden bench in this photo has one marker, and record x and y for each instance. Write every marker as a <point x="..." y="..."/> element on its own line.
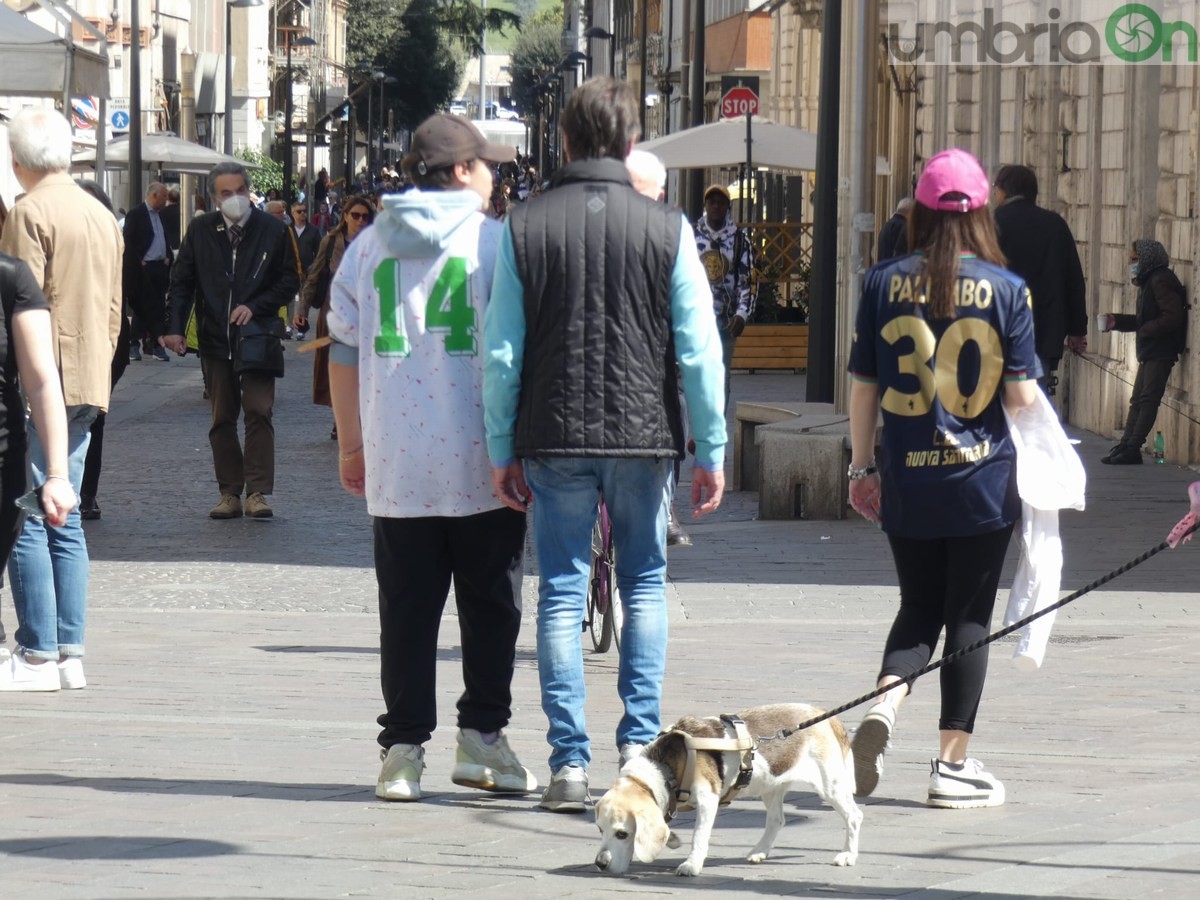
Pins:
<point x="772" y="347"/>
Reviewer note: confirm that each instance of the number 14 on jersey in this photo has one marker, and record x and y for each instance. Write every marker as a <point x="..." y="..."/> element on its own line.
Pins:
<point x="448" y="310"/>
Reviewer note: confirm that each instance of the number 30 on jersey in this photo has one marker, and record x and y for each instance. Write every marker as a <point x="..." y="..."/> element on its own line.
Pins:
<point x="448" y="310"/>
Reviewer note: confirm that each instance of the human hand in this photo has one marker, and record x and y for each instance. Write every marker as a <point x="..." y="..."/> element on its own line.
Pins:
<point x="300" y="323"/>
<point x="58" y="499"/>
<point x="1077" y="344"/>
<point x="865" y="498"/>
<point x="241" y="315"/>
<point x="174" y="343"/>
<point x="352" y="470"/>
<point x="736" y="326"/>
<point x="508" y="484"/>
<point x="707" y="490"/>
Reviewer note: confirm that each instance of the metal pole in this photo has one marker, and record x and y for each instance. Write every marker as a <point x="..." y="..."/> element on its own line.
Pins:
<point x="483" y="66"/>
<point x="382" y="82"/>
<point x="858" y="219"/>
<point x="288" y="163"/>
<point x="351" y="140"/>
<point x="370" y="130"/>
<point x="822" y="315"/>
<point x="642" y="68"/>
<point x="135" y="105"/>
<point x="228" y="79"/>
<point x="696" y="188"/>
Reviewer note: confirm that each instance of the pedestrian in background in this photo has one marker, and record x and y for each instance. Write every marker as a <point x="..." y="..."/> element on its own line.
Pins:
<point x="235" y="264"/>
<point x="1160" y="321"/>
<point x="146" y="272"/>
<point x="73" y="247"/>
<point x="89" y="506"/>
<point x="728" y="261"/>
<point x="405" y="314"/>
<point x="944" y="343"/>
<point x="589" y="273"/>
<point x="893" y="236"/>
<point x="359" y="213"/>
<point x="1039" y="247"/>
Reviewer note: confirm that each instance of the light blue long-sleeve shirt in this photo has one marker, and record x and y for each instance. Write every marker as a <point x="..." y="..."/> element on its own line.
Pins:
<point x="697" y="348"/>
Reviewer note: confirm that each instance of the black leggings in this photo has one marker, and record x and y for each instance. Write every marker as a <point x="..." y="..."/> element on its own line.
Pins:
<point x="946" y="583"/>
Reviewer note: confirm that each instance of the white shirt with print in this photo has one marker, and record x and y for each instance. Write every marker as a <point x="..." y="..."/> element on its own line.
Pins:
<point x="420" y="372"/>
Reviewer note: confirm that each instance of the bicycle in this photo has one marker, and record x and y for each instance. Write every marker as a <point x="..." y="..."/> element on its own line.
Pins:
<point x="604" y="616"/>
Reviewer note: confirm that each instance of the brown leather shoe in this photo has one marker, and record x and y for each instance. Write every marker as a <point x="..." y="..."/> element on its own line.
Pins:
<point x="230" y="507"/>
<point x="257" y="508"/>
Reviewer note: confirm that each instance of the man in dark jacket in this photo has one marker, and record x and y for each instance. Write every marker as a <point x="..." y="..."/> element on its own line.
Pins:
<point x="893" y="236"/>
<point x="1039" y="247"/>
<point x="234" y="264"/>
<point x="1161" y="325"/>
<point x="146" y="272"/>
<point x="308" y="238"/>
<point x="598" y="290"/>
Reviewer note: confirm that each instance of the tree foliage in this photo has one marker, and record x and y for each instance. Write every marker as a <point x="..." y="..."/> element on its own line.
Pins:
<point x="371" y="26"/>
<point x="425" y="63"/>
<point x="536" y="53"/>
<point x="267" y="173"/>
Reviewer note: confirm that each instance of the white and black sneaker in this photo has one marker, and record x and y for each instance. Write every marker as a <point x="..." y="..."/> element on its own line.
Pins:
<point x="963" y="785"/>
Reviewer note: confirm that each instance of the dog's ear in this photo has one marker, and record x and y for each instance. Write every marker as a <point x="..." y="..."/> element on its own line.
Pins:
<point x="673" y="841"/>
<point x="652" y="834"/>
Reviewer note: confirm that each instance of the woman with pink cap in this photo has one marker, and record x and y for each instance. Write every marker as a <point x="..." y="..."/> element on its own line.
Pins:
<point x="943" y="343"/>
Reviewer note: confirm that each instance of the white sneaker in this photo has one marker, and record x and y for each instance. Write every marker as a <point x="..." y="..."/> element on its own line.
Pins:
<point x="630" y="751"/>
<point x="490" y="767"/>
<point x="70" y="674"/>
<point x="400" y="777"/>
<point x="18" y="674"/>
<point x="872" y="739"/>
<point x="963" y="786"/>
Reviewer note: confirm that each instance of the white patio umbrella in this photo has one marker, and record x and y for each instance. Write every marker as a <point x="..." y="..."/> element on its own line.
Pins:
<point x="172" y="153"/>
<point x="724" y="144"/>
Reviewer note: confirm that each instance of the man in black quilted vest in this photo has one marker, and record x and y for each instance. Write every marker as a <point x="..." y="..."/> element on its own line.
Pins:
<point x="597" y="291"/>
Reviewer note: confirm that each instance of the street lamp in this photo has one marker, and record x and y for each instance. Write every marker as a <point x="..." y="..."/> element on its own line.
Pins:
<point x="383" y="80"/>
<point x="599" y="34"/>
<point x="304" y="41"/>
<point x="229" y="7"/>
<point x="576" y="58"/>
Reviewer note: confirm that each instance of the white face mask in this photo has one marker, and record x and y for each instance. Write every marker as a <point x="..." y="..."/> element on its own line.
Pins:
<point x="235" y="207"/>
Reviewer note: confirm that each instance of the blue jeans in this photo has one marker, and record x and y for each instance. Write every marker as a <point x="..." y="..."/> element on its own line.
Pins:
<point x="49" y="565"/>
<point x="566" y="495"/>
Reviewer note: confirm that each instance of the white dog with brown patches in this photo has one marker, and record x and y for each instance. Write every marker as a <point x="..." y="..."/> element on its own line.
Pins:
<point x="632" y="815"/>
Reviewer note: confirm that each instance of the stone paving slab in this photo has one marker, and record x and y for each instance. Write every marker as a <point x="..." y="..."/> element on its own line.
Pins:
<point x="225" y="745"/>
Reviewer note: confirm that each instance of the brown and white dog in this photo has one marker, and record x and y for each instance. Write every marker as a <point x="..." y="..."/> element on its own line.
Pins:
<point x="632" y="815"/>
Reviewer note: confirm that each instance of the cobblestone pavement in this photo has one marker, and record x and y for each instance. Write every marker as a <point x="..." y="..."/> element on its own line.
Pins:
<point x="225" y="744"/>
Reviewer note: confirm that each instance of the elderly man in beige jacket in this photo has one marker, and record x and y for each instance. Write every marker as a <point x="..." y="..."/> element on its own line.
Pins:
<point x="73" y="246"/>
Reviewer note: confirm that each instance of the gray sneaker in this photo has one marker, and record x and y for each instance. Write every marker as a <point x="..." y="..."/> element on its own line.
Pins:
<point x="490" y="767"/>
<point x="567" y="791"/>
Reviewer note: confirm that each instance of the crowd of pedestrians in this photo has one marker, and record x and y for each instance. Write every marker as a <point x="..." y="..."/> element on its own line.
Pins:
<point x="556" y="346"/>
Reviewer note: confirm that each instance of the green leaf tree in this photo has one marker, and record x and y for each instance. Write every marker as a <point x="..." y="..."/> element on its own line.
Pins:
<point x="268" y="174"/>
<point x="536" y="53"/>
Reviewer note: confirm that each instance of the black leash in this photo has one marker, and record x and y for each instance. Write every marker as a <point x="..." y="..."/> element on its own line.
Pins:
<point x="982" y="642"/>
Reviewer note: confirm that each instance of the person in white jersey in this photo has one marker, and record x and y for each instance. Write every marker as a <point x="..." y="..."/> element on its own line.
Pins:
<point x="406" y="377"/>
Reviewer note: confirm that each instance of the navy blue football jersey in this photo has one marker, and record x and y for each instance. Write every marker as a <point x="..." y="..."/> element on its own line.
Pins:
<point x="947" y="461"/>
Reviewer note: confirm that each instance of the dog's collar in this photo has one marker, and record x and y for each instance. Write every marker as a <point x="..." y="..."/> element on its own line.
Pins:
<point x="737" y="740"/>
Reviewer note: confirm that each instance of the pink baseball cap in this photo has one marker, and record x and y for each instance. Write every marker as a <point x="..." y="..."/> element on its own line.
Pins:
<point x="953" y="171"/>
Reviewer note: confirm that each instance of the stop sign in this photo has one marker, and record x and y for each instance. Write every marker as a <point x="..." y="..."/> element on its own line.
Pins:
<point x="739" y="101"/>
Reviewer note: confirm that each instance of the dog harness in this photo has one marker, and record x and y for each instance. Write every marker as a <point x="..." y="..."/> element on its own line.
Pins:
<point x="737" y="740"/>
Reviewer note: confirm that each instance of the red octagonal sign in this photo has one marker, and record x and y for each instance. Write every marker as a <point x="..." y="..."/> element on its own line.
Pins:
<point x="739" y="101"/>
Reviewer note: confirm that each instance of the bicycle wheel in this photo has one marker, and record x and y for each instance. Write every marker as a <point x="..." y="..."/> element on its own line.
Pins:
<point x="600" y="587"/>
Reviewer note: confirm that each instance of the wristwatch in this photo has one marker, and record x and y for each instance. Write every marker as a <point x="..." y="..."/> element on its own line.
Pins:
<point x="854" y="473"/>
